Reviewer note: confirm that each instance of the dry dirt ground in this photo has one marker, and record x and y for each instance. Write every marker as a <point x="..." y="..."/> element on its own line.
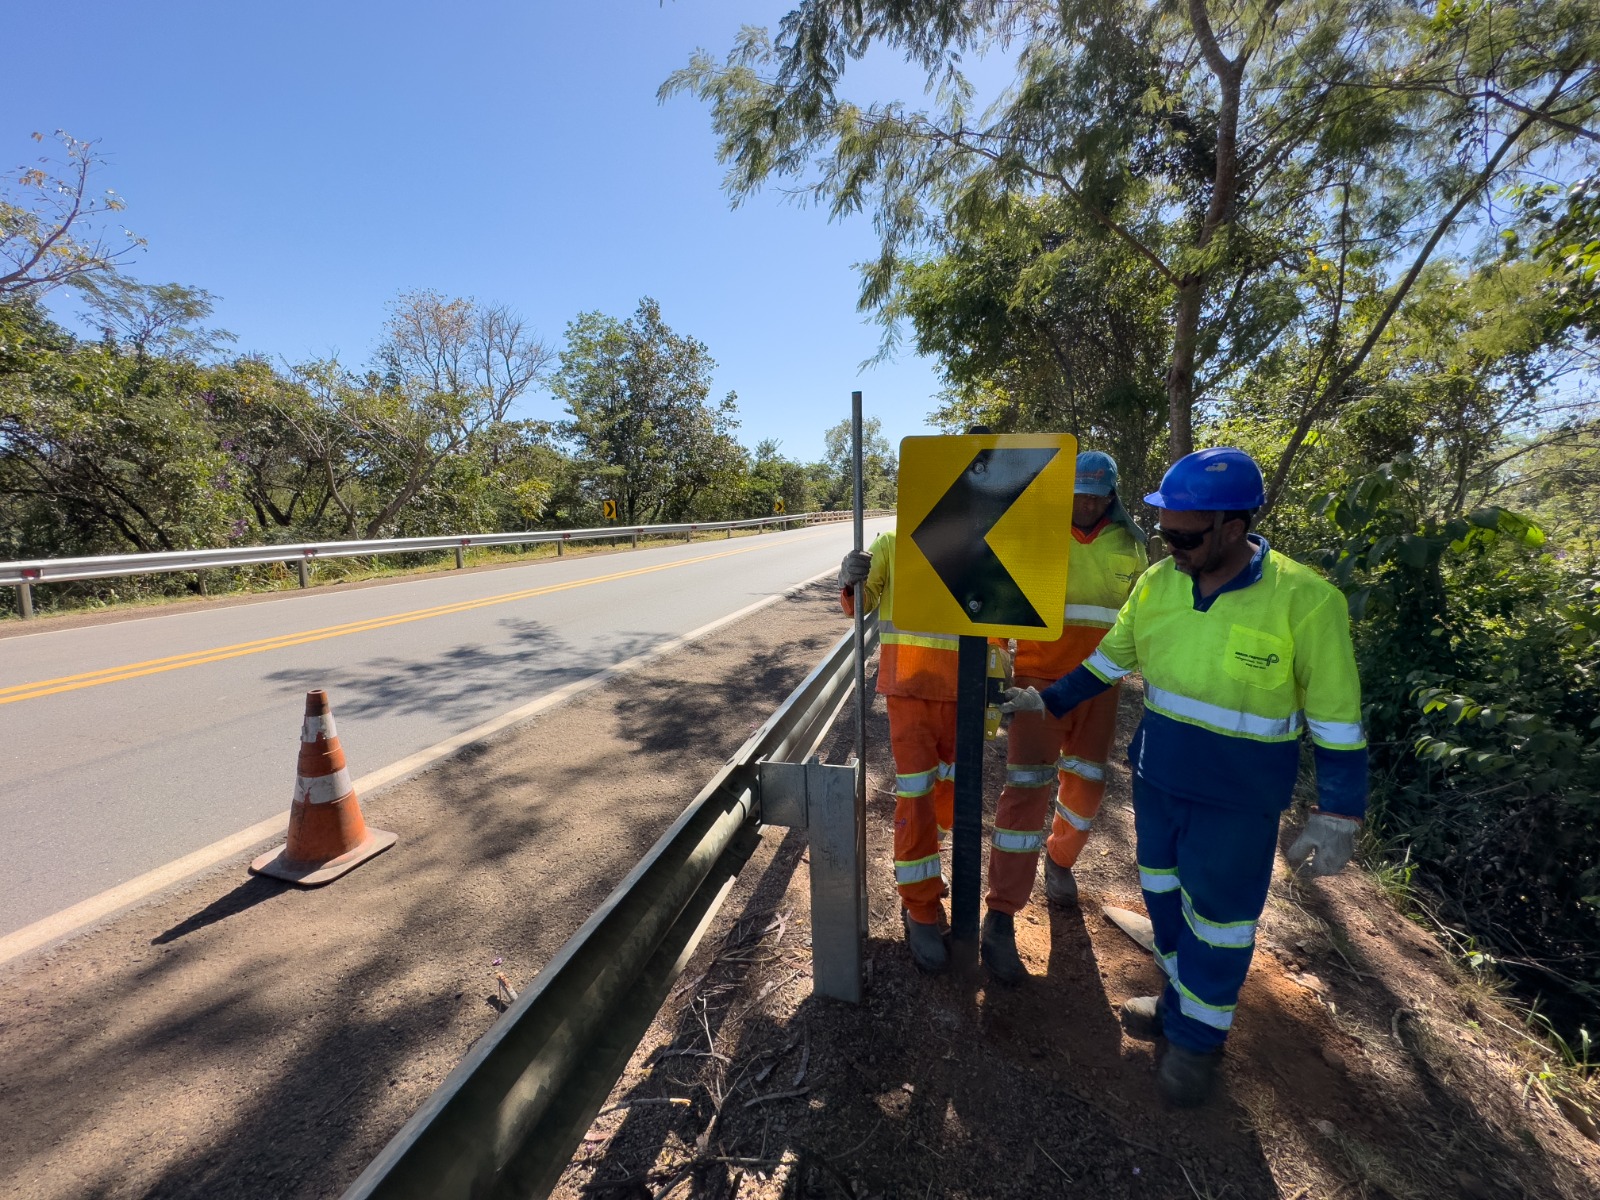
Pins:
<point x="238" y="1038"/>
<point x="1364" y="1062"/>
<point x="242" y="1038"/>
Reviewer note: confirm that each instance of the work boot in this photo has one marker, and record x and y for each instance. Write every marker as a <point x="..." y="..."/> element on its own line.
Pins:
<point x="997" y="946"/>
<point x="1141" y="1017"/>
<point x="926" y="943"/>
<point x="1059" y="885"/>
<point x="1186" y="1076"/>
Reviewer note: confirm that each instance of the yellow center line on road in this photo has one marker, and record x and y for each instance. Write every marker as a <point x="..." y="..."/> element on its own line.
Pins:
<point x="177" y="662"/>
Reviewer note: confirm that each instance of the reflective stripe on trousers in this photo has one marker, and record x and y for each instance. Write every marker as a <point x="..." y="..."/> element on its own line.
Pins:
<point x="1081" y="767"/>
<point x="1190" y="1005"/>
<point x="1081" y="824"/>
<point x="917" y="870"/>
<point x="1040" y="775"/>
<point x="919" y="783"/>
<point x="1018" y="841"/>
<point x="1236" y="935"/>
<point x="1152" y="879"/>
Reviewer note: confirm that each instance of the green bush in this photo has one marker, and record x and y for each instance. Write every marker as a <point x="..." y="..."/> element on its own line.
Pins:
<point x="1477" y="644"/>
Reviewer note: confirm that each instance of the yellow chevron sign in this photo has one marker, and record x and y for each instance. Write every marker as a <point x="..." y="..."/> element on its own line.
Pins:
<point x="984" y="522"/>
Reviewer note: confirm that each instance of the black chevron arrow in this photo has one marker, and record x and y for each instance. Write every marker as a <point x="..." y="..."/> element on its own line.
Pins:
<point x="953" y="536"/>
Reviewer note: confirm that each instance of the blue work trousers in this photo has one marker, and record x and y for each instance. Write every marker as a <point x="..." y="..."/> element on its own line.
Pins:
<point x="1205" y="869"/>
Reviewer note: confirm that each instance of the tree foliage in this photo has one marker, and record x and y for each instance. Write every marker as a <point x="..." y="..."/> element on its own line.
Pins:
<point x="644" y="430"/>
<point x="1258" y="158"/>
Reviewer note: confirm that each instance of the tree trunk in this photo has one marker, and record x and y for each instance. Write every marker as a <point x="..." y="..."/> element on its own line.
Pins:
<point x="1180" y="374"/>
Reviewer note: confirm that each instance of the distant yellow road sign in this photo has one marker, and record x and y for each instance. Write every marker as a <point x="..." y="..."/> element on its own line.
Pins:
<point x="610" y="507"/>
<point x="984" y="521"/>
<point x="777" y="507"/>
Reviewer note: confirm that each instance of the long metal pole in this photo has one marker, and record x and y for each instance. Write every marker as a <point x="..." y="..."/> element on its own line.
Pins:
<point x="857" y="518"/>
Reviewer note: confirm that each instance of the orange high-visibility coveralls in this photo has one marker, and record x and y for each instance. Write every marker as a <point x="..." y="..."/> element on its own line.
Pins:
<point x="1067" y="754"/>
<point x="917" y="678"/>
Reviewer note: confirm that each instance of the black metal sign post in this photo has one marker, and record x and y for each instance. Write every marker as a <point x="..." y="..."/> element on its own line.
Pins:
<point x="966" y="849"/>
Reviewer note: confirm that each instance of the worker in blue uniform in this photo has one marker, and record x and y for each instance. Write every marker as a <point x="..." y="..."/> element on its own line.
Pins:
<point x="1241" y="650"/>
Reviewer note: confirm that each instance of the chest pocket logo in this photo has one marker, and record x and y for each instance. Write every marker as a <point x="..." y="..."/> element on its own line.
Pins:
<point x="1258" y="658"/>
<point x="1124" y="568"/>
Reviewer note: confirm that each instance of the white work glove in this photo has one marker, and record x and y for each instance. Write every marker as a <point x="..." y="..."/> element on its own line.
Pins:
<point x="1332" y="837"/>
<point x="1022" y="700"/>
<point x="854" y="568"/>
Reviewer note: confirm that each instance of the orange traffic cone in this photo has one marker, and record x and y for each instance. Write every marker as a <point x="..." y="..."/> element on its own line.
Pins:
<point x="327" y="836"/>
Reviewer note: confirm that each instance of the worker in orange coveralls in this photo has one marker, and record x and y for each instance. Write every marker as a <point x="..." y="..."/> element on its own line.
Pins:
<point x="1063" y="756"/>
<point x="917" y="678"/>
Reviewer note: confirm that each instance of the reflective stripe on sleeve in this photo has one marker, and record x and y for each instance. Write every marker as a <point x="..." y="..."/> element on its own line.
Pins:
<point x="1018" y="841"/>
<point x="1043" y="775"/>
<point x="1091" y="614"/>
<point x="918" y="783"/>
<point x="947" y="771"/>
<point x="1158" y="879"/>
<point x="1082" y="768"/>
<point x="1337" y="735"/>
<point x="916" y="870"/>
<point x="1230" y="935"/>
<point x="1081" y="824"/>
<point x="1103" y="667"/>
<point x="1223" y="720"/>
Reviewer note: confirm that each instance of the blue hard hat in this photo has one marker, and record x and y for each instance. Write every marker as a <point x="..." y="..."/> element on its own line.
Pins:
<point x="1221" y="479"/>
<point x="1097" y="474"/>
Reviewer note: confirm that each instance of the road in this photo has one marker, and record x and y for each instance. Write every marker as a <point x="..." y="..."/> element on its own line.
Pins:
<point x="128" y="745"/>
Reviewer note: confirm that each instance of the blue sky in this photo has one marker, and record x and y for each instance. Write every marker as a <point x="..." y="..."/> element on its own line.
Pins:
<point x="307" y="161"/>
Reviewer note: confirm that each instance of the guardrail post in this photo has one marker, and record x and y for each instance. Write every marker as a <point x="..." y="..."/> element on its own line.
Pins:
<point x="561" y="547"/>
<point x="461" y="558"/>
<point x="305" y="573"/>
<point x="635" y="541"/>
<point x="821" y="799"/>
<point x="25" y="600"/>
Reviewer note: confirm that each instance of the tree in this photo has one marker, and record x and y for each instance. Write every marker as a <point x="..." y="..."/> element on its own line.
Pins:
<point x="50" y="223"/>
<point x="880" y="468"/>
<point x="161" y="320"/>
<point x="458" y="347"/>
<point x="102" y="452"/>
<point x="640" y="422"/>
<point x="1241" y="150"/>
<point x="1041" y="326"/>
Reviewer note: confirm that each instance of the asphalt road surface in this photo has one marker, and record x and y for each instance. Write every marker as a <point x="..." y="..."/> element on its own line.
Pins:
<point x="125" y="746"/>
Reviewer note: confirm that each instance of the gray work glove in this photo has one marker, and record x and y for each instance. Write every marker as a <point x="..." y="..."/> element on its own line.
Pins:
<point x="1023" y="700"/>
<point x="1331" y="837"/>
<point x="854" y="568"/>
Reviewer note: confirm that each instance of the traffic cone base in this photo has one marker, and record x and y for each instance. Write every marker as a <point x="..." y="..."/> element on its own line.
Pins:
<point x="279" y="865"/>
<point x="327" y="836"/>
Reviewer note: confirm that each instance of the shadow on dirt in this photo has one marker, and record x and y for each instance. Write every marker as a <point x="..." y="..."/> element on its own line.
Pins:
<point x="256" y="890"/>
<point x="942" y="1085"/>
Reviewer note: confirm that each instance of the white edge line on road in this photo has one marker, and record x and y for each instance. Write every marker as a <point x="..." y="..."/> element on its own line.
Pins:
<point x="75" y="918"/>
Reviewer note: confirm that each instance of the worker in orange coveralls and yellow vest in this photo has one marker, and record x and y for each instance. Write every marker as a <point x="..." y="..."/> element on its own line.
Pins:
<point x="917" y="678"/>
<point x="1061" y="756"/>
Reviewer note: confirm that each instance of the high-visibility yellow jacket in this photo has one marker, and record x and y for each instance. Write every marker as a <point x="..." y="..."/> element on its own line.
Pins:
<point x="1104" y="564"/>
<point x="920" y="665"/>
<point x="1231" y="682"/>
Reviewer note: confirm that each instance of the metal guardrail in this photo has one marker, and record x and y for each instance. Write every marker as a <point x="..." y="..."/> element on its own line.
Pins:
<point x="506" y="1121"/>
<point x="27" y="573"/>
